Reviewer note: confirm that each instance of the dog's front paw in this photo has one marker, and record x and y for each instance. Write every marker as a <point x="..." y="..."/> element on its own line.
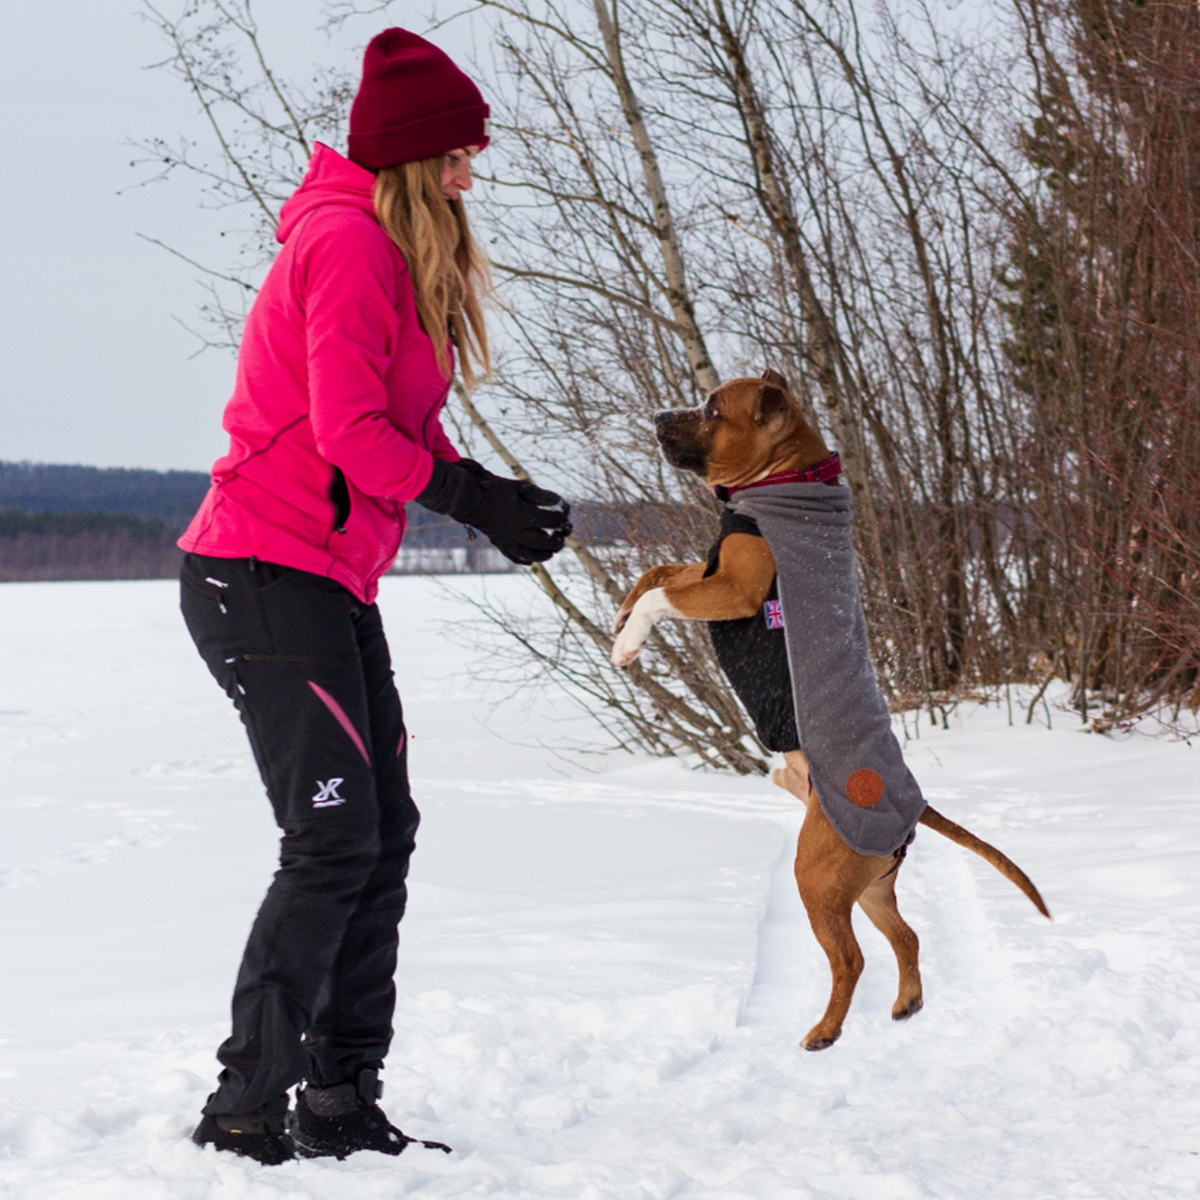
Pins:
<point x="638" y="622"/>
<point x="627" y="647"/>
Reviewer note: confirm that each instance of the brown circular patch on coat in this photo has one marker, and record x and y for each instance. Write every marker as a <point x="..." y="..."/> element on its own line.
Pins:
<point x="864" y="788"/>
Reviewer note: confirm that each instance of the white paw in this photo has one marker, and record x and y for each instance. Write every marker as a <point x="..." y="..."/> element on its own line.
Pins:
<point x="642" y="618"/>
<point x="627" y="647"/>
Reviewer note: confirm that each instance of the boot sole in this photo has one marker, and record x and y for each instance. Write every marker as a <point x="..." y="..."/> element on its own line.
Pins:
<point x="319" y="1149"/>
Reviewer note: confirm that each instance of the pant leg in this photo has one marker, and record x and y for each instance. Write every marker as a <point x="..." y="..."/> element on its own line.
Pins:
<point x="283" y="645"/>
<point x="352" y="1025"/>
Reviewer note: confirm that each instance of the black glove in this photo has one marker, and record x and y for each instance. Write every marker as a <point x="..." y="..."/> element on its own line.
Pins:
<point x="526" y="523"/>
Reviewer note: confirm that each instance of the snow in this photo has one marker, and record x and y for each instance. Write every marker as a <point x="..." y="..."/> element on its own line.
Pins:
<point x="605" y="967"/>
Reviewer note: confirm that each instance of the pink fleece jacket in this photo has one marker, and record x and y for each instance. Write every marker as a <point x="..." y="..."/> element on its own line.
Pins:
<point x="334" y="371"/>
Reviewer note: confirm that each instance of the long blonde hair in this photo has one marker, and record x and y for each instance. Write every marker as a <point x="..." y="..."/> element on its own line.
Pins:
<point x="449" y="272"/>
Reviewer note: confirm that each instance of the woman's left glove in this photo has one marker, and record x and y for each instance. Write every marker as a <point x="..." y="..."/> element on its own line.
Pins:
<point x="526" y="523"/>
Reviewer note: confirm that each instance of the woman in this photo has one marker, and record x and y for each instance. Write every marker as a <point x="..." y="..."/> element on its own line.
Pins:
<point x="343" y="369"/>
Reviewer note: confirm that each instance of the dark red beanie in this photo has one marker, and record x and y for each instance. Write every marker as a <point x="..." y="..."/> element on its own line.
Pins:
<point x="413" y="103"/>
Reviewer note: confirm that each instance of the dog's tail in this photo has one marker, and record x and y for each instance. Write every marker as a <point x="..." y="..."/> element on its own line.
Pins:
<point x="1002" y="863"/>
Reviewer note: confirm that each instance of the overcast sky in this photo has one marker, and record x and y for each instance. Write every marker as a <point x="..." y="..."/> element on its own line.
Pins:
<point x="94" y="366"/>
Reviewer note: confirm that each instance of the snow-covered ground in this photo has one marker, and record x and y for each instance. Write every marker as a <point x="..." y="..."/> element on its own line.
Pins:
<point x="605" y="967"/>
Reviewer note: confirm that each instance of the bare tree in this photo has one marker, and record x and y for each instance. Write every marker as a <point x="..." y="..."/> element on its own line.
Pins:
<point x="846" y="230"/>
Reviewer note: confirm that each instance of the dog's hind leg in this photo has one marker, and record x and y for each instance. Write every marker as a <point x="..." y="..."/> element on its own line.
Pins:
<point x="830" y="878"/>
<point x="878" y="901"/>
<point x="831" y="924"/>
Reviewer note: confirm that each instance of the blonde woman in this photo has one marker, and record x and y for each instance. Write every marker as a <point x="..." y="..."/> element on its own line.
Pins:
<point x="343" y="369"/>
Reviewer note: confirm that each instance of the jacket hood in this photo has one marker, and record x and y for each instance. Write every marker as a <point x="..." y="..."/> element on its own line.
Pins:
<point x="330" y="179"/>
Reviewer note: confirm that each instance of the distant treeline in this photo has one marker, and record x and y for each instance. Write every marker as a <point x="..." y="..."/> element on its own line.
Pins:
<point x="76" y="522"/>
<point x="166" y="496"/>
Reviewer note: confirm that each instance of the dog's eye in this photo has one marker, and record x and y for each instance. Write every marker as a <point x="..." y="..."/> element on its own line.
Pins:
<point x="711" y="412"/>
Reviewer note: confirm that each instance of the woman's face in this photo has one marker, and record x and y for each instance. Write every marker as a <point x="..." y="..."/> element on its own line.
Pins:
<point x="456" y="172"/>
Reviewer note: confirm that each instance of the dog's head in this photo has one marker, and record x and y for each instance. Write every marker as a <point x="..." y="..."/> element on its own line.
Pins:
<point x="745" y="430"/>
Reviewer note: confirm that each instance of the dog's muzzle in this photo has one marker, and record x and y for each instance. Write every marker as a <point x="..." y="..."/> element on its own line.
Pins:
<point x="677" y="432"/>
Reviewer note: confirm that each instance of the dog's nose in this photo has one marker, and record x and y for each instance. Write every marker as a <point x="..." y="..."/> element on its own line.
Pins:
<point x="664" y="420"/>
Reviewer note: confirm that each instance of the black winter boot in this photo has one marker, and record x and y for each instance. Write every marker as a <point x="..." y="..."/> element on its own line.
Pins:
<point x="261" y="1136"/>
<point x="344" y="1118"/>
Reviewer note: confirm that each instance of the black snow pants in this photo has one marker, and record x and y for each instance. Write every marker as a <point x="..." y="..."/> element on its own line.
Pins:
<point x="307" y="666"/>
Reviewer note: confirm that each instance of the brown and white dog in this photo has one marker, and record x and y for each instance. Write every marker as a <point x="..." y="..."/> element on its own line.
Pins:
<point x="749" y="430"/>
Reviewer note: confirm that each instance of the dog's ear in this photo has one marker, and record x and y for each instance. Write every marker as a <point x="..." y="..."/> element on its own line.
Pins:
<point x="774" y="377"/>
<point x="772" y="402"/>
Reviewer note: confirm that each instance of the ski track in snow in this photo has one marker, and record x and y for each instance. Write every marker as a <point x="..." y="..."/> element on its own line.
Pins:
<point x="605" y="969"/>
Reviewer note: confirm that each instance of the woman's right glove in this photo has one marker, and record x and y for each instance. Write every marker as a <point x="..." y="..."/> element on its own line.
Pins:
<point x="526" y="523"/>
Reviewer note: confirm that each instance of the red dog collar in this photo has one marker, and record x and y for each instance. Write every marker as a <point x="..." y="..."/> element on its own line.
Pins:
<point x="826" y="471"/>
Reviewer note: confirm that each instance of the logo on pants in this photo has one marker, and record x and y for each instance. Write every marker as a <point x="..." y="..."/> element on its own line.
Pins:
<point x="327" y="795"/>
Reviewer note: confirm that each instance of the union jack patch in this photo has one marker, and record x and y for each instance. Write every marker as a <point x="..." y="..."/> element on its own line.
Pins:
<point x="773" y="611"/>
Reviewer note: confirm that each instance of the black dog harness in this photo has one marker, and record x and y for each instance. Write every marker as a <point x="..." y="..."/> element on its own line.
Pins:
<point x="753" y="654"/>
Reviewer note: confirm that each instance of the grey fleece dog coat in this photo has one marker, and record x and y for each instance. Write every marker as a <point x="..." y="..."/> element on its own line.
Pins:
<point x="854" y="760"/>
